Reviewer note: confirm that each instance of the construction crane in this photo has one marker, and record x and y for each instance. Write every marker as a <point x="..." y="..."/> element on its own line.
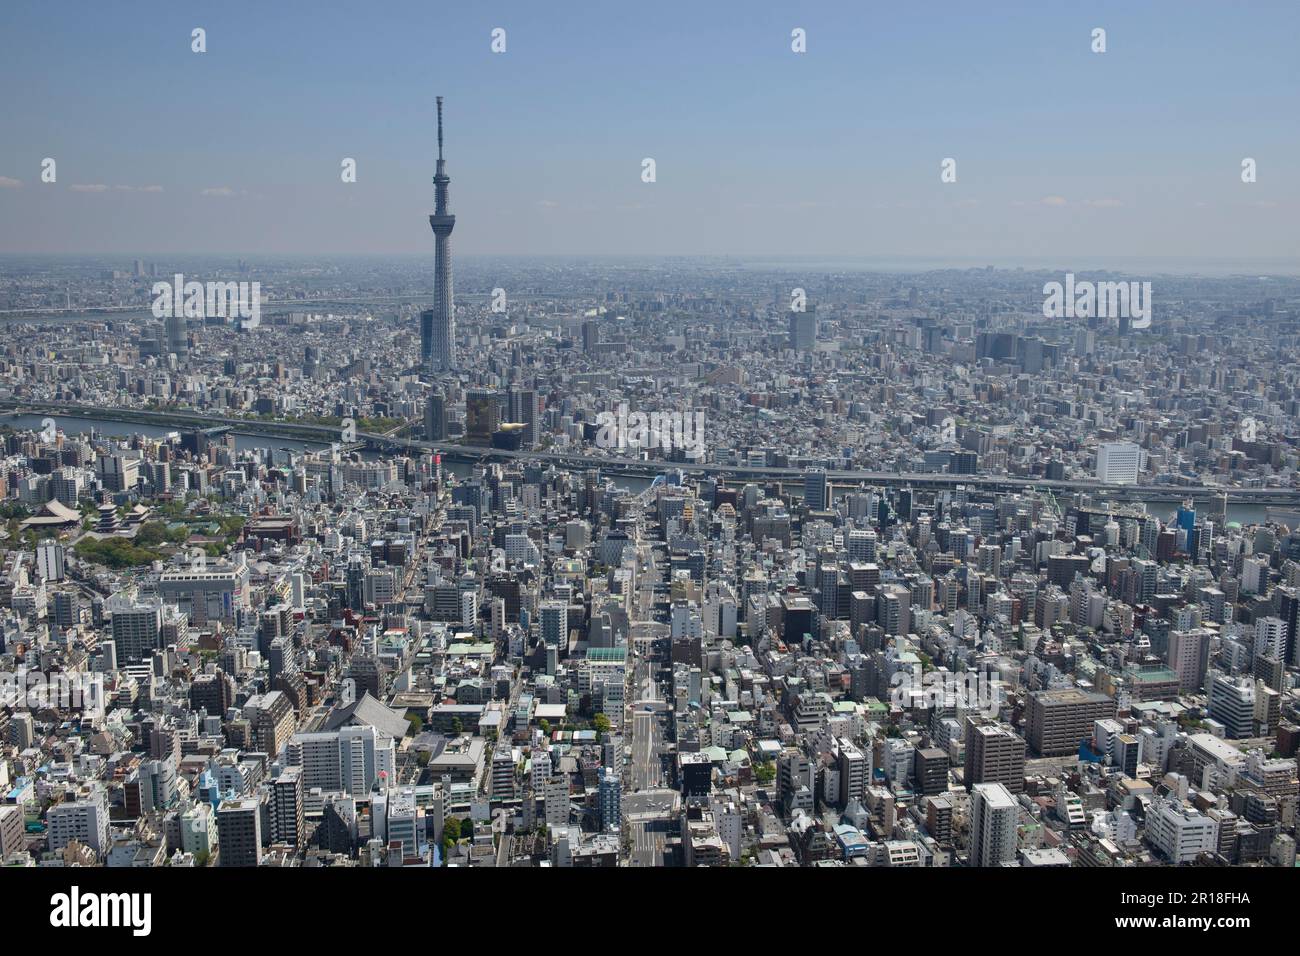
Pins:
<point x="1052" y="503"/>
<point x="1048" y="498"/>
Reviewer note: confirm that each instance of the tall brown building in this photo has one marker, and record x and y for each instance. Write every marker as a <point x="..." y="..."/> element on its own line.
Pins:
<point x="1059" y="719"/>
<point x="994" y="754"/>
<point x="931" y="771"/>
<point x="482" y="416"/>
<point x="12" y="834"/>
<point x="214" y="693"/>
<point x="272" y="718"/>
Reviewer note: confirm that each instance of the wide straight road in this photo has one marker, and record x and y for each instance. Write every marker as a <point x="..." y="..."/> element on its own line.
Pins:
<point x="646" y="770"/>
<point x="647" y="844"/>
<point x="651" y="816"/>
<point x="645" y="729"/>
<point x="647" y="807"/>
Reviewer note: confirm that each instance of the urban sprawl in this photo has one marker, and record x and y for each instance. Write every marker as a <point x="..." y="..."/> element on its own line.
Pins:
<point x="666" y="563"/>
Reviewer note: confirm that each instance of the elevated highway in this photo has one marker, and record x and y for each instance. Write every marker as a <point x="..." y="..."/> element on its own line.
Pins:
<point x="731" y="474"/>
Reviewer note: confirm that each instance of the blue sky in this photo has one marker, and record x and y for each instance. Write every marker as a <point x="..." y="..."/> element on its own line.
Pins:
<point x="759" y="151"/>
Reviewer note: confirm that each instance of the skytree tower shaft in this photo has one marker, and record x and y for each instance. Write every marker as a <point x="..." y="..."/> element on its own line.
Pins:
<point x="438" y="325"/>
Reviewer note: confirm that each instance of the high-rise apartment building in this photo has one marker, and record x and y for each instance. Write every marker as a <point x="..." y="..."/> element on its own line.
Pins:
<point x="994" y="814"/>
<point x="287" y="808"/>
<point x="803" y="330"/>
<point x="239" y="832"/>
<point x="1059" y="720"/>
<point x="522" y="408"/>
<point x="1232" y="703"/>
<point x="816" y="490"/>
<point x="482" y="416"/>
<point x="994" y="754"/>
<point x="84" y="819"/>
<point x="1119" y="463"/>
<point x="435" y="417"/>
<point x="136" y="625"/>
<point x="611" y="795"/>
<point x="1188" y="655"/>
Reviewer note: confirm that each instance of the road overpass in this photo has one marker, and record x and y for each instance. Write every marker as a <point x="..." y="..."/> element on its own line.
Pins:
<point x="629" y="467"/>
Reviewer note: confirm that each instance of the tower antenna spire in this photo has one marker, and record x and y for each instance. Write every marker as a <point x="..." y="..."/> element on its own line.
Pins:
<point x="438" y="325"/>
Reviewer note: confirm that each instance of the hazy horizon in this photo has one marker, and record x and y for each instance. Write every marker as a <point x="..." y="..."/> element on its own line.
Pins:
<point x="1183" y="267"/>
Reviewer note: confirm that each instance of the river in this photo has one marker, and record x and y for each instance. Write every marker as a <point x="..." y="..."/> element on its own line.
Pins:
<point x="79" y="425"/>
<point x="1161" y="507"/>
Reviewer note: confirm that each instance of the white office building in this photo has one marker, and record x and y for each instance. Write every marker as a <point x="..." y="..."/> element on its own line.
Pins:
<point x="49" y="560"/>
<point x="207" y="595"/>
<point x="84" y="820"/>
<point x="405" y="822"/>
<point x="1119" y="463"/>
<point x="556" y="799"/>
<point x="1181" y="832"/>
<point x="1270" y="638"/>
<point x="349" y="759"/>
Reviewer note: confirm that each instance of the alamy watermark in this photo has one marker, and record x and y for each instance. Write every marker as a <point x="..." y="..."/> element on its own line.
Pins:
<point x="198" y="300"/>
<point x="77" y="909"/>
<point x="1105" y="300"/>
<point x="972" y="691"/>
<point x="36" y="690"/>
<point x="667" y="430"/>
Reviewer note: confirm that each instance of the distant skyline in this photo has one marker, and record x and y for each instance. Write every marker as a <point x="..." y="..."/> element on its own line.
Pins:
<point x="760" y="152"/>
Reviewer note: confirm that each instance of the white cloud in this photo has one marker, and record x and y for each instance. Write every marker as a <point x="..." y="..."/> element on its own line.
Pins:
<point x="89" y="188"/>
<point x="218" y="191"/>
<point x="7" y="182"/>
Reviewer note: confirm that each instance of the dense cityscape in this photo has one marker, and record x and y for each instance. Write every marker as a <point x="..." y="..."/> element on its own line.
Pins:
<point x="645" y="564"/>
<point x="823" y="514"/>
